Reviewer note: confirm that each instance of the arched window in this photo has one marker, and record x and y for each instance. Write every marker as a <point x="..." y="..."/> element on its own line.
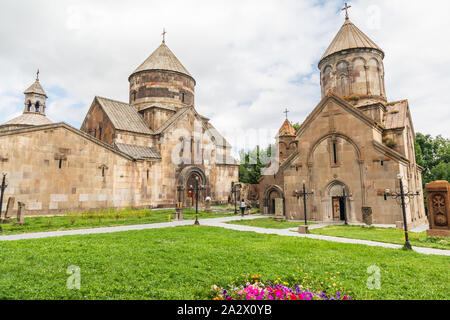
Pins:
<point x="183" y="96"/>
<point x="29" y="106"/>
<point x="344" y="86"/>
<point x="37" y="107"/>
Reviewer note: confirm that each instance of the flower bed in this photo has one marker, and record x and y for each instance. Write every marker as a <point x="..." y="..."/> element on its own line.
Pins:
<point x="257" y="289"/>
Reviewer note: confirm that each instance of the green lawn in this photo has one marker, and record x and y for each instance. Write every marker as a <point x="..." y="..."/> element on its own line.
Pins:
<point x="106" y="218"/>
<point x="383" y="235"/>
<point x="269" y="223"/>
<point x="184" y="262"/>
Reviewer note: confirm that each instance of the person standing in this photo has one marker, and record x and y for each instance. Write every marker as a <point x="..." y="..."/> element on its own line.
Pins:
<point x="229" y="202"/>
<point x="243" y="206"/>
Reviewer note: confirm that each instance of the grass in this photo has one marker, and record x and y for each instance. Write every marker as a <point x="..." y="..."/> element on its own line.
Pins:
<point x="105" y="218"/>
<point x="390" y="235"/>
<point x="269" y="223"/>
<point x="184" y="262"/>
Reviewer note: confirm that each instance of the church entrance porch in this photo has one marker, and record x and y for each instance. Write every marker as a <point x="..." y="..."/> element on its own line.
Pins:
<point x="337" y="203"/>
<point x="188" y="179"/>
<point x="270" y="200"/>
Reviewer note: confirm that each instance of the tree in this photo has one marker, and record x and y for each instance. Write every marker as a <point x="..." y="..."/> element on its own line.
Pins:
<point x="252" y="163"/>
<point x="433" y="154"/>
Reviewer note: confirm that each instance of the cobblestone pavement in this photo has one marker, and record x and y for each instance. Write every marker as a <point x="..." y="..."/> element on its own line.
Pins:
<point x="220" y="223"/>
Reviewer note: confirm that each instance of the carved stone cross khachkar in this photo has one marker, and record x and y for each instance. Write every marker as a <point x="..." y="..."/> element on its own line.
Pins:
<point x="346" y="7"/>
<point x="331" y="114"/>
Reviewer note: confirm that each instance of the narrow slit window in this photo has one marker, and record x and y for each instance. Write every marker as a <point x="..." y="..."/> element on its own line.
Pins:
<point x="103" y="171"/>
<point x="148" y="174"/>
<point x="335" y="160"/>
<point x="183" y="96"/>
<point x="60" y="163"/>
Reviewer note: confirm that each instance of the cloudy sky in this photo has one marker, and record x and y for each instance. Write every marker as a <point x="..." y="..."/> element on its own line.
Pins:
<point x="251" y="58"/>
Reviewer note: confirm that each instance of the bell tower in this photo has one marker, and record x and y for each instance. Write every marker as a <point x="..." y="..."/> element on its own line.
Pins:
<point x="35" y="98"/>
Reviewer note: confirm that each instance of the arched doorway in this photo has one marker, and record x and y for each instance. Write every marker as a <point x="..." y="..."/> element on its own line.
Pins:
<point x="188" y="178"/>
<point x="338" y="193"/>
<point x="272" y="193"/>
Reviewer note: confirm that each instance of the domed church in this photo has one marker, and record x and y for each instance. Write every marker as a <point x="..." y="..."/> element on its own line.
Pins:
<point x="147" y="152"/>
<point x="353" y="146"/>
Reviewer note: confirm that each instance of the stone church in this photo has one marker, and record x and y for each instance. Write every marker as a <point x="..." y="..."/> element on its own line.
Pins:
<point x="134" y="154"/>
<point x="352" y="146"/>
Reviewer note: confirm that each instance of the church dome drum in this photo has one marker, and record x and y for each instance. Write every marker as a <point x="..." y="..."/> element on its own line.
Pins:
<point x="162" y="80"/>
<point x="352" y="66"/>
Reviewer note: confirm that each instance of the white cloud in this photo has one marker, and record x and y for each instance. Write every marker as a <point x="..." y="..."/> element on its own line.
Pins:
<point x="251" y="59"/>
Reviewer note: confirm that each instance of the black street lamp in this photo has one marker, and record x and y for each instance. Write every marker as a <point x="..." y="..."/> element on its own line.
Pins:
<point x="235" y="188"/>
<point x="4" y="186"/>
<point x="299" y="194"/>
<point x="402" y="196"/>
<point x="197" y="189"/>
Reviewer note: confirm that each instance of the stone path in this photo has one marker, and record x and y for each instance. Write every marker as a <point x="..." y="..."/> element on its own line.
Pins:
<point x="220" y="223"/>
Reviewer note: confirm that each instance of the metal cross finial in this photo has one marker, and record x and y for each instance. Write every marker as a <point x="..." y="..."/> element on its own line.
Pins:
<point x="164" y="35"/>
<point x="346" y="7"/>
<point x="286" y="112"/>
<point x="37" y="75"/>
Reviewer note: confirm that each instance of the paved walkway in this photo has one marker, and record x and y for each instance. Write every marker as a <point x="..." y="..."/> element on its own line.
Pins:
<point x="221" y="223"/>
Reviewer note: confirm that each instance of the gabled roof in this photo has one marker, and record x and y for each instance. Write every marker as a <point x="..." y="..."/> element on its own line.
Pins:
<point x="65" y="126"/>
<point x="342" y="103"/>
<point x="287" y="129"/>
<point x="36" y="88"/>
<point x="350" y="37"/>
<point x="28" y="119"/>
<point x="397" y="115"/>
<point x="138" y="152"/>
<point x="166" y="125"/>
<point x="124" y="116"/>
<point x="163" y="59"/>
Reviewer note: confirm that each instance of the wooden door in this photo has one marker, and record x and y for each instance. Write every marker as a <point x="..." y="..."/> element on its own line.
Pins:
<point x="336" y="208"/>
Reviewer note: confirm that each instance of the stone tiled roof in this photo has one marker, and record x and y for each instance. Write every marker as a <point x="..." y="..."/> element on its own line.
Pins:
<point x="396" y="115"/>
<point x="287" y="129"/>
<point x="36" y="88"/>
<point x="124" y="116"/>
<point x="29" y="119"/>
<point x="350" y="37"/>
<point x="138" y="152"/>
<point x="163" y="59"/>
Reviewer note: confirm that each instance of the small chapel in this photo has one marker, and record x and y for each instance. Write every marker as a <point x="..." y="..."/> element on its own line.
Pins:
<point x="152" y="151"/>
<point x="352" y="147"/>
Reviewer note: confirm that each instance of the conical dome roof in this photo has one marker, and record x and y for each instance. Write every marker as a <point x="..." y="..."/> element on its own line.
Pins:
<point x="36" y="88"/>
<point x="29" y="119"/>
<point x="287" y="129"/>
<point x="163" y="59"/>
<point x="350" y="37"/>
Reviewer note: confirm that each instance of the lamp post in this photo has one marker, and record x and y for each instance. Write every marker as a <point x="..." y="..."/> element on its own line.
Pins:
<point x="197" y="188"/>
<point x="234" y="190"/>
<point x="303" y="193"/>
<point x="402" y="196"/>
<point x="4" y="186"/>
